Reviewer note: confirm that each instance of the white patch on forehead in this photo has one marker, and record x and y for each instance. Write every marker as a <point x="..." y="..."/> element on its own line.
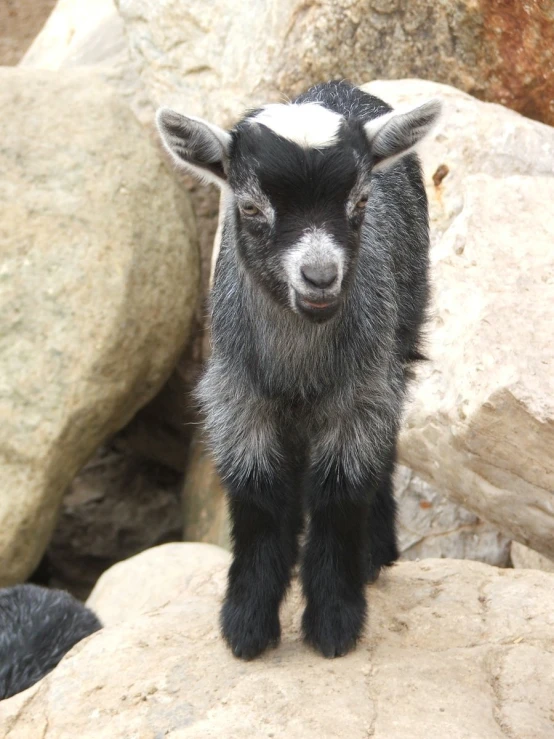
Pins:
<point x="308" y="124"/>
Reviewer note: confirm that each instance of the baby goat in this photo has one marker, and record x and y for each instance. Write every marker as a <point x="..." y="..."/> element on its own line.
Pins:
<point x="318" y="299"/>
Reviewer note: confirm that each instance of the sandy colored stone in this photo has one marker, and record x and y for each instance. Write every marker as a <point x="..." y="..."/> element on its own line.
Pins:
<point x="20" y="21"/>
<point x="430" y="525"/>
<point x="205" y="515"/>
<point x="527" y="559"/>
<point x="193" y="54"/>
<point x="98" y="284"/>
<point x="77" y="32"/>
<point x="470" y="138"/>
<point x="481" y="423"/>
<point x="452" y="649"/>
<point x="158" y="576"/>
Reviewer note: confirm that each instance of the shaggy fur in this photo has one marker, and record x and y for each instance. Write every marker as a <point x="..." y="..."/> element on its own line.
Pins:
<point x="37" y="627"/>
<point x="319" y="295"/>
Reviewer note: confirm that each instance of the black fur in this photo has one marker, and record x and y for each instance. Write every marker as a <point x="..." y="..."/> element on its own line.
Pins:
<point x="38" y="627"/>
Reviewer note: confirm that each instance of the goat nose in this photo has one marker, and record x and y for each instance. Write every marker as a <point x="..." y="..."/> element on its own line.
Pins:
<point x="322" y="276"/>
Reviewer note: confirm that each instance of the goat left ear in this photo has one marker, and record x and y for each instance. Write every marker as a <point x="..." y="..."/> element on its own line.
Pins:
<point x="195" y="145"/>
<point x="395" y="134"/>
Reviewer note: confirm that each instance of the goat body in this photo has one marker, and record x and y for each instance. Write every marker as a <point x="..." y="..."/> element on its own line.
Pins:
<point x="319" y="295"/>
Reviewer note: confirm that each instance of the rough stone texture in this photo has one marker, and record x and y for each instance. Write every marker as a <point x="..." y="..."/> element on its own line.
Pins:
<point x="118" y="505"/>
<point x="77" y="33"/>
<point x="452" y="649"/>
<point x="527" y="559"/>
<point x="171" y="572"/>
<point x="205" y="515"/>
<point x="98" y="283"/>
<point x="481" y="424"/>
<point x="471" y="137"/>
<point x="480" y="427"/>
<point x="430" y="525"/>
<point x="20" y="21"/>
<point x="192" y="54"/>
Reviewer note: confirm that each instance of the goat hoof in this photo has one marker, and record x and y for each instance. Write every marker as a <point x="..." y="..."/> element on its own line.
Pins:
<point x="335" y="630"/>
<point x="247" y="631"/>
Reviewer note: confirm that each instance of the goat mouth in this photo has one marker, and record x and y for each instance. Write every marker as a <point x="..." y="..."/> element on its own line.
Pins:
<point x="317" y="310"/>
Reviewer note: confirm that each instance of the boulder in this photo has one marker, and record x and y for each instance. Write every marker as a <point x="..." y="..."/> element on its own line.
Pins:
<point x="170" y="572"/>
<point x="480" y="426"/>
<point x="205" y="515"/>
<point x="470" y="138"/>
<point x="118" y="505"/>
<point x="19" y="23"/>
<point x="527" y="559"/>
<point x="193" y="55"/>
<point x="98" y="285"/>
<point x="452" y="648"/>
<point x="77" y="33"/>
<point x="431" y="525"/>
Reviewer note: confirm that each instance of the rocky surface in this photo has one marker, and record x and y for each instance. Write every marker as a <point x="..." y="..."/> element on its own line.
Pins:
<point x="78" y="33"/>
<point x="480" y="427"/>
<point x="20" y="21"/>
<point x="481" y="423"/>
<point x="98" y="284"/>
<point x="432" y="526"/>
<point x="527" y="559"/>
<point x="118" y="505"/>
<point x="193" y="54"/>
<point x="205" y="515"/>
<point x="452" y="648"/>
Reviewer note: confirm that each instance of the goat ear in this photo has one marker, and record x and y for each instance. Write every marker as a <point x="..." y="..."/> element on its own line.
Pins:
<point x="194" y="145"/>
<point x="395" y="134"/>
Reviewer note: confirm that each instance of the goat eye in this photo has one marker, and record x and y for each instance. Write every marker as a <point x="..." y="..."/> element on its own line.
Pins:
<point x="249" y="209"/>
<point x="362" y="202"/>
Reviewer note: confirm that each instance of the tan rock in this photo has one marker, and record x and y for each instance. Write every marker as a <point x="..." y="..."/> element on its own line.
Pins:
<point x="170" y="572"/>
<point x="452" y="648"/>
<point x="194" y="55"/>
<point x="471" y="137"/>
<point x="19" y="23"/>
<point x="205" y="515"/>
<point x="76" y="33"/>
<point x="98" y="283"/>
<point x="524" y="558"/>
<point x="431" y="526"/>
<point x="481" y="424"/>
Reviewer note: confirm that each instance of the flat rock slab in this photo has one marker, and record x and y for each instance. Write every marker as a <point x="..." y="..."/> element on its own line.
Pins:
<point x="452" y="649"/>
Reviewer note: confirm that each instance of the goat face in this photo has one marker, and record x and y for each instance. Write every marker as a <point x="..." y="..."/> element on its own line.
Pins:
<point x="297" y="185"/>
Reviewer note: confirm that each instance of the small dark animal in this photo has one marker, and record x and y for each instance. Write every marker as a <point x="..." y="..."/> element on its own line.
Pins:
<point x="319" y="295"/>
<point x="37" y="627"/>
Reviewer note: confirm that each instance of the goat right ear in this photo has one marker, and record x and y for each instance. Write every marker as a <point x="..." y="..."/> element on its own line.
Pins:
<point x="194" y="145"/>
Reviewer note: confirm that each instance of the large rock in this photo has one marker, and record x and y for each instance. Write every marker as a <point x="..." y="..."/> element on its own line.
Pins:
<point x="431" y="525"/>
<point x="77" y="33"/>
<point x="193" y="55"/>
<point x="118" y="505"/>
<point x="471" y="137"/>
<point x="98" y="283"/>
<point x="527" y="559"/>
<point x="452" y="649"/>
<point x="481" y="425"/>
<point x="20" y="21"/>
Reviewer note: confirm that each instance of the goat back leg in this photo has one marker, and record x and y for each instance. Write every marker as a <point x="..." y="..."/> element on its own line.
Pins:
<point x="383" y="545"/>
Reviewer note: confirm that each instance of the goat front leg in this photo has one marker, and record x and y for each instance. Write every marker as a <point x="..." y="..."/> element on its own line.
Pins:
<point x="258" y="470"/>
<point x="345" y="478"/>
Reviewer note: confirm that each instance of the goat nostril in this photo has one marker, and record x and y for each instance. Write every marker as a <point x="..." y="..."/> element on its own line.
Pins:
<point x="321" y="276"/>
